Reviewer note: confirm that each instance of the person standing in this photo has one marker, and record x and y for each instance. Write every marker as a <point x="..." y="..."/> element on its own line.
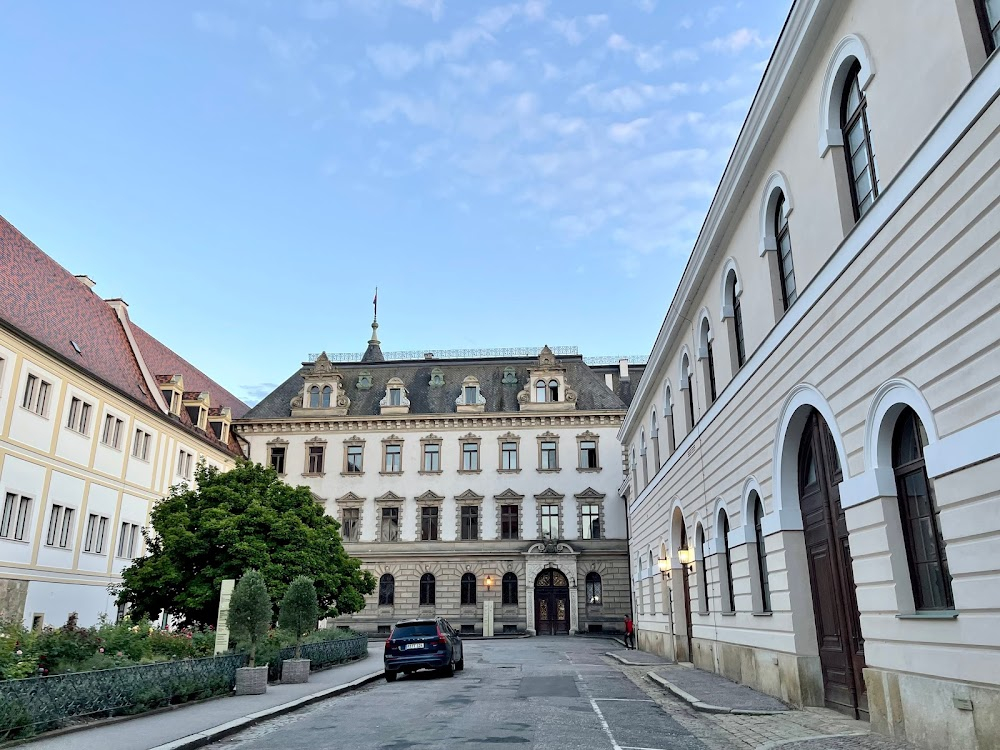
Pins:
<point x="629" y="633"/>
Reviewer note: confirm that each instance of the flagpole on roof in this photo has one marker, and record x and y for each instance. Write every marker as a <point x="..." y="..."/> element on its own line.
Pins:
<point x="375" y="302"/>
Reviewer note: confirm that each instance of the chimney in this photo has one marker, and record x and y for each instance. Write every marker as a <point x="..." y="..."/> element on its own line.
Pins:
<point x="85" y="280"/>
<point x="623" y="369"/>
<point x="609" y="380"/>
<point x="428" y="355"/>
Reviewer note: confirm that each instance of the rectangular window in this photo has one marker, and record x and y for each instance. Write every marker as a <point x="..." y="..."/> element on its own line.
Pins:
<point x="470" y="522"/>
<point x="432" y="457"/>
<point x="30" y="389"/>
<point x="16" y="510"/>
<point x="550" y="522"/>
<point x="549" y="456"/>
<point x="127" y="540"/>
<point x="510" y="526"/>
<point x="429" y="523"/>
<point x="79" y="415"/>
<point x="588" y="454"/>
<point x="277" y="459"/>
<point x="390" y="525"/>
<point x="111" y="435"/>
<point x="989" y="19"/>
<point x="355" y="459"/>
<point x="184" y="461"/>
<point x="470" y="456"/>
<point x="140" y="449"/>
<point x="590" y="514"/>
<point x="316" y="459"/>
<point x="395" y="397"/>
<point x="509" y="456"/>
<point x="36" y="395"/>
<point x="60" y="526"/>
<point x="393" y="458"/>
<point x="470" y="395"/>
<point x="351" y="524"/>
<point x="97" y="529"/>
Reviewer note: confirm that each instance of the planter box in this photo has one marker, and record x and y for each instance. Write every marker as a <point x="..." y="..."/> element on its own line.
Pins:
<point x="294" y="671"/>
<point x="251" y="680"/>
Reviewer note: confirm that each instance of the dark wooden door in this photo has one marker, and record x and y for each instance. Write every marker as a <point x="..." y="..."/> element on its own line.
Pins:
<point x="551" y="603"/>
<point x="835" y="601"/>
<point x="686" y="585"/>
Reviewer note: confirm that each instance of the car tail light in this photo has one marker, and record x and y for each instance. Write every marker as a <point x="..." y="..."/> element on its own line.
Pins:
<point x="441" y="639"/>
<point x="388" y="644"/>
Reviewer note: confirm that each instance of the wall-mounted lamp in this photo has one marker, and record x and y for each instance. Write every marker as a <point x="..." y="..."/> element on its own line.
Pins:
<point x="664" y="565"/>
<point x="489" y="583"/>
<point x="685" y="555"/>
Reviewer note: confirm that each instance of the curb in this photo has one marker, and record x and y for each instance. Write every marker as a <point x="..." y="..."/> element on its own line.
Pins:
<point x="699" y="705"/>
<point x="626" y="662"/>
<point x="200" y="739"/>
<point x="780" y="743"/>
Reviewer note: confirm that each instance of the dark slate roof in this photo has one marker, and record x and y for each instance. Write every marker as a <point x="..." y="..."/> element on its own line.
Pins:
<point x="592" y="393"/>
<point x="624" y="387"/>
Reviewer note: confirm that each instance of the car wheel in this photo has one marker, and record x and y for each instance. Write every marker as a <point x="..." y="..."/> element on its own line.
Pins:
<point x="390" y="676"/>
<point x="449" y="669"/>
<point x="460" y="664"/>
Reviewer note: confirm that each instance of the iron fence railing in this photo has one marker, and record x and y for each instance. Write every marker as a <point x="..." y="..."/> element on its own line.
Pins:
<point x="321" y="654"/>
<point x="38" y="704"/>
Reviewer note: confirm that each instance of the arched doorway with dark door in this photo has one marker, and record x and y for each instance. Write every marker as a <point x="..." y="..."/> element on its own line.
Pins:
<point x="831" y="576"/>
<point x="551" y="602"/>
<point x="686" y="586"/>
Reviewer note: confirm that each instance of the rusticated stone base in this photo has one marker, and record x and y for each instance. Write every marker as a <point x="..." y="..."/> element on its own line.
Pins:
<point x="294" y="671"/>
<point x="251" y="680"/>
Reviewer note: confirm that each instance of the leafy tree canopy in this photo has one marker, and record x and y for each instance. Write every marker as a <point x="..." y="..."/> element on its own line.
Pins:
<point x="234" y="521"/>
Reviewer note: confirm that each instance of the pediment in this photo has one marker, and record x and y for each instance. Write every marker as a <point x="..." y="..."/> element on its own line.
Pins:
<point x="590" y="494"/>
<point x="508" y="494"/>
<point x="388" y="497"/>
<point x="549" y="494"/>
<point x="430" y="497"/>
<point x="350" y="497"/>
<point x="469" y="496"/>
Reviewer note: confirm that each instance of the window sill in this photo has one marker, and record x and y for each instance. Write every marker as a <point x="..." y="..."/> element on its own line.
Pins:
<point x="508" y="471"/>
<point x="313" y="473"/>
<point x="390" y="473"/>
<point x="589" y="470"/>
<point x="469" y="471"/>
<point x="706" y="613"/>
<point x="58" y="547"/>
<point x="112" y="447"/>
<point x="728" y="614"/>
<point x="549" y="471"/>
<point x="146" y="460"/>
<point x="762" y="614"/>
<point x="941" y="614"/>
<point x="428" y="471"/>
<point x="94" y="554"/>
<point x="352" y="473"/>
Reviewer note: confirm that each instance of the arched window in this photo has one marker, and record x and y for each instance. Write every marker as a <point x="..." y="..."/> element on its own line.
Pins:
<point x="508" y="588"/>
<point x="386" y="590"/>
<point x="701" y="572"/>
<point x="654" y="435"/>
<point x="327" y="391"/>
<point x="689" y="388"/>
<point x="706" y="355"/>
<point x="635" y="479"/>
<point x="427" y="585"/>
<point x="668" y="413"/>
<point x="925" y="550"/>
<point x="726" y="579"/>
<point x="468" y="588"/>
<point x="989" y="21"/>
<point x="861" y="167"/>
<point x="786" y="269"/>
<point x="553" y="390"/>
<point x="593" y="589"/>
<point x="540" y="391"/>
<point x="642" y="456"/>
<point x="733" y="302"/>
<point x="314" y="397"/>
<point x="765" y="589"/>
<point x="652" y="593"/>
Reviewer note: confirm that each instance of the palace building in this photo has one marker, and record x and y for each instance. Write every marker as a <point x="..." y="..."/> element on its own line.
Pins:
<point x="481" y="488"/>
<point x="98" y="420"/>
<point x="814" y="447"/>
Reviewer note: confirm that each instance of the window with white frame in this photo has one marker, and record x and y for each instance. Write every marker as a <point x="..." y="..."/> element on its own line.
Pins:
<point x="350" y="524"/>
<point x="354" y="458"/>
<point x="432" y="457"/>
<point x="128" y="540"/>
<point x="36" y="395"/>
<point x="185" y="464"/>
<point x="470" y="456"/>
<point x="550" y="521"/>
<point x="393" y="458"/>
<point x="548" y="455"/>
<point x="113" y="431"/>
<point x="60" y="531"/>
<point x="588" y="454"/>
<point x="140" y="449"/>
<point x="276" y="455"/>
<point x="590" y="517"/>
<point x="389" y="525"/>
<point x="78" y="419"/>
<point x="16" y="513"/>
<point x="96" y="533"/>
<point x="315" y="459"/>
<point x="508" y="456"/>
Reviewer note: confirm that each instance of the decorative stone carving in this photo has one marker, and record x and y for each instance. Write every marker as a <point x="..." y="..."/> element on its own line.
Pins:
<point x="554" y="394"/>
<point x="437" y="378"/>
<point x="364" y="381"/>
<point x="386" y="404"/>
<point x="329" y="400"/>
<point x="509" y="376"/>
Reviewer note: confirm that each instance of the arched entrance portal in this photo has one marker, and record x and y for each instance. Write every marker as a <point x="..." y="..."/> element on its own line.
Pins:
<point x="551" y="602"/>
<point x="686" y="585"/>
<point x="835" y="601"/>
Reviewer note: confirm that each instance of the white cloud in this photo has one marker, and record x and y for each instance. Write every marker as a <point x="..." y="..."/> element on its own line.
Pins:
<point x="736" y="41"/>
<point x="417" y="111"/>
<point x="646" y="6"/>
<point x="629" y="97"/>
<point x="433" y="8"/>
<point x="394" y="60"/>
<point x="629" y="132"/>
<point x="289" y="48"/>
<point x="213" y="22"/>
<point x="319" y="10"/>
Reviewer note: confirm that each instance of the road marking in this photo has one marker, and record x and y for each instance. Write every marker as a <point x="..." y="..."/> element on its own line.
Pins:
<point x="627" y="700"/>
<point x="604" y="725"/>
<point x="641" y="748"/>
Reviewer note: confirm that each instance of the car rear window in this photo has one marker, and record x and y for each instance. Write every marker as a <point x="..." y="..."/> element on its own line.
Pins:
<point x="415" y="631"/>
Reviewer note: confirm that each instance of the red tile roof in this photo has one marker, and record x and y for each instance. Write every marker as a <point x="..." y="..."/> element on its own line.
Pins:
<point x="46" y="303"/>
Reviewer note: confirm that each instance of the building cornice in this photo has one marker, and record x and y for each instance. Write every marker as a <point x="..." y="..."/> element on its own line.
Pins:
<point x="422" y="423"/>
<point x="796" y="42"/>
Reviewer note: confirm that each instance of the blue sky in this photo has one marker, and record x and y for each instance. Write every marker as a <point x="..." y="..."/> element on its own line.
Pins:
<point x="245" y="172"/>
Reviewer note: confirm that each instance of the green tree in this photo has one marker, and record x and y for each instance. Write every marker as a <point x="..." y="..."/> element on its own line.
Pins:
<point x="250" y="611"/>
<point x="299" y="610"/>
<point x="234" y="521"/>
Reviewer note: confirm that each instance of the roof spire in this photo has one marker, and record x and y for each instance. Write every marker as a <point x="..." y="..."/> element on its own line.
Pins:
<point x="374" y="352"/>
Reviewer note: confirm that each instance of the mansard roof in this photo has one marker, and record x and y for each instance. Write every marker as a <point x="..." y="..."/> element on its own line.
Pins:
<point x="592" y="393"/>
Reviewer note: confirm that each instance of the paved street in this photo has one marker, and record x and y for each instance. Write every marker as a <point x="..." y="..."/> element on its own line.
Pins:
<point x="542" y="693"/>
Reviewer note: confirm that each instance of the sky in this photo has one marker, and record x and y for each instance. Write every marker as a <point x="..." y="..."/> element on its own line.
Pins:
<point x="244" y="173"/>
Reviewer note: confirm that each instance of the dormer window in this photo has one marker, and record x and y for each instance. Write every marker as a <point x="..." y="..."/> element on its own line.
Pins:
<point x="196" y="406"/>
<point x="470" y="395"/>
<point x="553" y="390"/>
<point x="314" y="397"/>
<point x="470" y="398"/>
<point x="327" y="391"/>
<point x="322" y="389"/>
<point x="395" y="396"/>
<point x="540" y="392"/>
<point x="547" y="389"/>
<point x="168" y="396"/>
<point x="172" y="390"/>
<point x="395" y="400"/>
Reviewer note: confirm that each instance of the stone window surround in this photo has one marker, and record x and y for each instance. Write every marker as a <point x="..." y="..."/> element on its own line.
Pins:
<point x="389" y="500"/>
<point x="590" y="497"/>
<point x="354" y="440"/>
<point x="316" y="442"/>
<point x="548" y="437"/>
<point x="467" y="498"/>
<point x="431" y="439"/>
<point x="426" y="500"/>
<point x="386" y="442"/>
<point x="386" y="406"/>
<point x="585" y="437"/>
<point x="462" y="441"/>
<point x="350" y="500"/>
<point x="549" y="497"/>
<point x="278" y="442"/>
<point x="480" y="402"/>
<point x="508" y="437"/>
<point x="509" y="497"/>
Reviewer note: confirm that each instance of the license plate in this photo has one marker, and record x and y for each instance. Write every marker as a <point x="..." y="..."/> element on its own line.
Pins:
<point x="408" y="646"/>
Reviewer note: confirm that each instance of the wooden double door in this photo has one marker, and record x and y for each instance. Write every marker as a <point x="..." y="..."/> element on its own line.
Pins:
<point x="551" y="603"/>
<point x="835" y="601"/>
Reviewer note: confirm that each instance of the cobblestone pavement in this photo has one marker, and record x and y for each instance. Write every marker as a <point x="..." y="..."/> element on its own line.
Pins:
<point x="716" y="690"/>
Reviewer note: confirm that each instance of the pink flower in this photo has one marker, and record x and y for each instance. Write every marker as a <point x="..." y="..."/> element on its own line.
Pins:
<point x="101" y="649"/>
<point x="19" y="652"/>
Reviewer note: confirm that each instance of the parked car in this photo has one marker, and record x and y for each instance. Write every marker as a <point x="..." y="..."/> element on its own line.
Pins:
<point x="429" y="643"/>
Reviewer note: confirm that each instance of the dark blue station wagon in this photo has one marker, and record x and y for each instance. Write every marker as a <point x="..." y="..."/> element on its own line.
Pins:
<point x="429" y="643"/>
